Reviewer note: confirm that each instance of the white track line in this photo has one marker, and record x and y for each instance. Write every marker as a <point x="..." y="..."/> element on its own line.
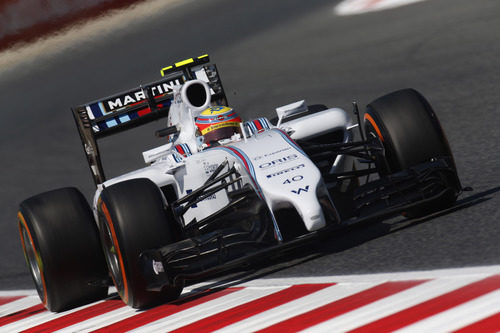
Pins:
<point x="353" y="7"/>
<point x="77" y="37"/>
<point x="40" y="318"/>
<point x="296" y="307"/>
<point x="18" y="305"/>
<point x="441" y="282"/>
<point x="458" y="316"/>
<point x="391" y="304"/>
<point x="479" y="271"/>
<point x="207" y="309"/>
<point x="102" y="320"/>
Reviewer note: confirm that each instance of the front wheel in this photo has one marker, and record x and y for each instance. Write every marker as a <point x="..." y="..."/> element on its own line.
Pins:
<point x="133" y="219"/>
<point x="411" y="134"/>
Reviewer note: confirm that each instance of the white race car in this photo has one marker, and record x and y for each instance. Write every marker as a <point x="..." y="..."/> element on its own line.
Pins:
<point x="222" y="192"/>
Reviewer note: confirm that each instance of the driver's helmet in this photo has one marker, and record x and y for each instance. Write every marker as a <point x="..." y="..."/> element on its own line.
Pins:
<point x="218" y="123"/>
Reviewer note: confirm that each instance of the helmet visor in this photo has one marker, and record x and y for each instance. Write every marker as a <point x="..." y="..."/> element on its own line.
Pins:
<point x="221" y="133"/>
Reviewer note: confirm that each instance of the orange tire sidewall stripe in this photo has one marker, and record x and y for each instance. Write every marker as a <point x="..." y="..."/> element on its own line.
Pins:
<point x="374" y="125"/>
<point x="23" y="222"/>
<point x="117" y="247"/>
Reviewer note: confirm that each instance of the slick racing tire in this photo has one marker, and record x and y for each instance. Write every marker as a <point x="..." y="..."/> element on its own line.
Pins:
<point x="132" y="219"/>
<point x="411" y="134"/>
<point x="62" y="249"/>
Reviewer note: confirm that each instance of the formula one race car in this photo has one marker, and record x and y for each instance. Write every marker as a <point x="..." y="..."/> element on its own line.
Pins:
<point x="222" y="193"/>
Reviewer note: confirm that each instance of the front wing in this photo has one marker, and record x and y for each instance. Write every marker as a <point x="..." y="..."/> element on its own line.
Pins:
<point x="222" y="250"/>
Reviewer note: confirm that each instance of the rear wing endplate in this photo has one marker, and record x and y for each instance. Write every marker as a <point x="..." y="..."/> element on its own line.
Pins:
<point x="135" y="107"/>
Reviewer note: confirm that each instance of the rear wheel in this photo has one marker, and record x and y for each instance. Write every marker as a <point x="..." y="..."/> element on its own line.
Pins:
<point x="411" y="134"/>
<point x="62" y="249"/>
<point x="133" y="219"/>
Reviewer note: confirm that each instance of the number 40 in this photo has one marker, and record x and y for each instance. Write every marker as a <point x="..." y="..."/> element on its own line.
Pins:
<point x="293" y="179"/>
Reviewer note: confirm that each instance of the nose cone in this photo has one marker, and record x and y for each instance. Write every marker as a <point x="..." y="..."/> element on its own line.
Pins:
<point x="286" y="175"/>
<point x="299" y="189"/>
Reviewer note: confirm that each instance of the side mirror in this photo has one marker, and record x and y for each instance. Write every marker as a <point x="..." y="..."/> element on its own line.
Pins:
<point x="166" y="131"/>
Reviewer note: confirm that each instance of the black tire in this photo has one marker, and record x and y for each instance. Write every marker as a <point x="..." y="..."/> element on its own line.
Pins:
<point x="411" y="134"/>
<point x="62" y="248"/>
<point x="133" y="219"/>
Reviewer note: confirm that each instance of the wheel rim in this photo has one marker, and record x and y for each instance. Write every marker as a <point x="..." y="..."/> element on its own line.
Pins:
<point x="33" y="261"/>
<point x="112" y="258"/>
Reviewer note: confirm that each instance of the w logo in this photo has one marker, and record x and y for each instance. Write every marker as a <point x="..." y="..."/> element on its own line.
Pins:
<point x="301" y="189"/>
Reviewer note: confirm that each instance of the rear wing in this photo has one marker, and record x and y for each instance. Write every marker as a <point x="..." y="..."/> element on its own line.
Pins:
<point x="135" y="107"/>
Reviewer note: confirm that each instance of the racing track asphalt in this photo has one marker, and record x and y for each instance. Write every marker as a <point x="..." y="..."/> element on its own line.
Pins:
<point x="269" y="56"/>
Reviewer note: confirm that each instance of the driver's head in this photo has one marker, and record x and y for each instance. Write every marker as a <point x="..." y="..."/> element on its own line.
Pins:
<point x="217" y="123"/>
